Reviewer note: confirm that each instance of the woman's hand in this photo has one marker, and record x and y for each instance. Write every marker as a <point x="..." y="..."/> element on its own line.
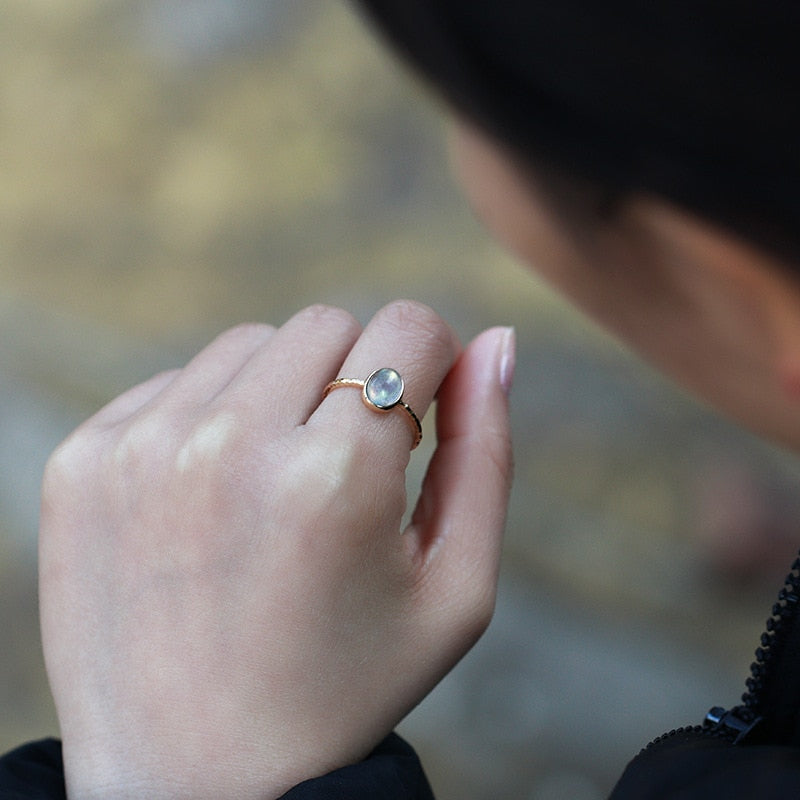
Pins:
<point x="228" y="603"/>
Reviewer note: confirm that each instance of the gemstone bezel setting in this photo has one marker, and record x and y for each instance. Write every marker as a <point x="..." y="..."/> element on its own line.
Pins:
<point x="383" y="389"/>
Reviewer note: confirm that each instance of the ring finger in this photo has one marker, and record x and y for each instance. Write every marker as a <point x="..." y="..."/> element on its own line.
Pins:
<point x="410" y="339"/>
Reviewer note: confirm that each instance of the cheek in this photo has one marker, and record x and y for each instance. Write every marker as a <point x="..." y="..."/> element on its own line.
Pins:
<point x="510" y="210"/>
<point x="606" y="271"/>
<point x="520" y="218"/>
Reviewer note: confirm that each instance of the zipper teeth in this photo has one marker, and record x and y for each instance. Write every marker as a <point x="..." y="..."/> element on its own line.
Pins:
<point x="783" y="611"/>
<point x="705" y="731"/>
<point x="736" y="724"/>
<point x="683" y="731"/>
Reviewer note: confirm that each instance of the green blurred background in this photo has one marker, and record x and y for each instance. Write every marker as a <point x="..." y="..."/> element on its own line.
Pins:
<point x="168" y="169"/>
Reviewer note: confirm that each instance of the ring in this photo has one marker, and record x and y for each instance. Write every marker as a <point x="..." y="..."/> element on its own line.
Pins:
<point x="382" y="391"/>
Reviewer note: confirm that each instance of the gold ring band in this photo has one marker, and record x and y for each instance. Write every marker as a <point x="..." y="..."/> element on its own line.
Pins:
<point x="382" y="391"/>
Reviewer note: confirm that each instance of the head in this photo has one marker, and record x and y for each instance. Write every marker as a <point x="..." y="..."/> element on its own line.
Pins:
<point x="641" y="158"/>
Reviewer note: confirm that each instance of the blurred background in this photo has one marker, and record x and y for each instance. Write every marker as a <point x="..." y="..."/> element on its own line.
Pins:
<point x="168" y="169"/>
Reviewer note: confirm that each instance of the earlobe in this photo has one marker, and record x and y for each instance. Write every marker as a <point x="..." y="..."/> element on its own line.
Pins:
<point x="784" y="315"/>
<point x="774" y="289"/>
<point x="790" y="378"/>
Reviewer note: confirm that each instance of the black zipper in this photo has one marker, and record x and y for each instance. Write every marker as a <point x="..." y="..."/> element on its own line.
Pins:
<point x="770" y="707"/>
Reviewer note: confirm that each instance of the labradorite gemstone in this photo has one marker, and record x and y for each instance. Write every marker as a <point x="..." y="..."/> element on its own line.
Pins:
<point x="384" y="388"/>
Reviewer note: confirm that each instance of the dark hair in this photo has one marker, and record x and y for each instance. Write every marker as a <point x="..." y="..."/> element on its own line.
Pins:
<point x="693" y="100"/>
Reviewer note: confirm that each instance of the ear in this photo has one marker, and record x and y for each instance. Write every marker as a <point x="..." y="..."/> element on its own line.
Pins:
<point x="770" y="285"/>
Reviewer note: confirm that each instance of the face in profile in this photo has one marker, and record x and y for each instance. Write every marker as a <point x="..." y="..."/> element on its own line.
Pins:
<point x="714" y="312"/>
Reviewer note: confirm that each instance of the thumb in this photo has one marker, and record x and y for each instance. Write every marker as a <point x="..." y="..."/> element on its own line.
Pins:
<point x="458" y="523"/>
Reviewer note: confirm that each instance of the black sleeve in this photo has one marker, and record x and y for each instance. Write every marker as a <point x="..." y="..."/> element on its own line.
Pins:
<point x="33" y="772"/>
<point x="392" y="772"/>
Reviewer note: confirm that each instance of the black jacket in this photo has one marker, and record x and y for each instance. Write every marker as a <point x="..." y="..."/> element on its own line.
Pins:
<point x="750" y="751"/>
<point x="392" y="772"/>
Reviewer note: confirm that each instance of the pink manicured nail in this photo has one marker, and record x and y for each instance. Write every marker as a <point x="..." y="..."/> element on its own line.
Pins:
<point x="508" y="359"/>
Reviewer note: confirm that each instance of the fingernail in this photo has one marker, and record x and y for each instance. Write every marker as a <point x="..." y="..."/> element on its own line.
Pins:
<point x="508" y="359"/>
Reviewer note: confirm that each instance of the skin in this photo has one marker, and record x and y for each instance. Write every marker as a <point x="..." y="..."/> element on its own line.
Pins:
<point x="715" y="313"/>
<point x="228" y="604"/>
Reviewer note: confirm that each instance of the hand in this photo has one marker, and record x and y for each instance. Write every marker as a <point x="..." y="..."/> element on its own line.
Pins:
<point x="228" y="603"/>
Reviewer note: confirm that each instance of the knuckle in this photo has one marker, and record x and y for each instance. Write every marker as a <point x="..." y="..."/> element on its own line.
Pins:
<point x="412" y="318"/>
<point x="165" y="375"/>
<point x="244" y="334"/>
<point x="410" y="314"/>
<point x="248" y="330"/>
<point x="65" y="467"/>
<point x="330" y="487"/>
<point x="314" y="479"/>
<point x="321" y="314"/>
<point x="141" y="439"/>
<point x="139" y="456"/>
<point x="208" y="443"/>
